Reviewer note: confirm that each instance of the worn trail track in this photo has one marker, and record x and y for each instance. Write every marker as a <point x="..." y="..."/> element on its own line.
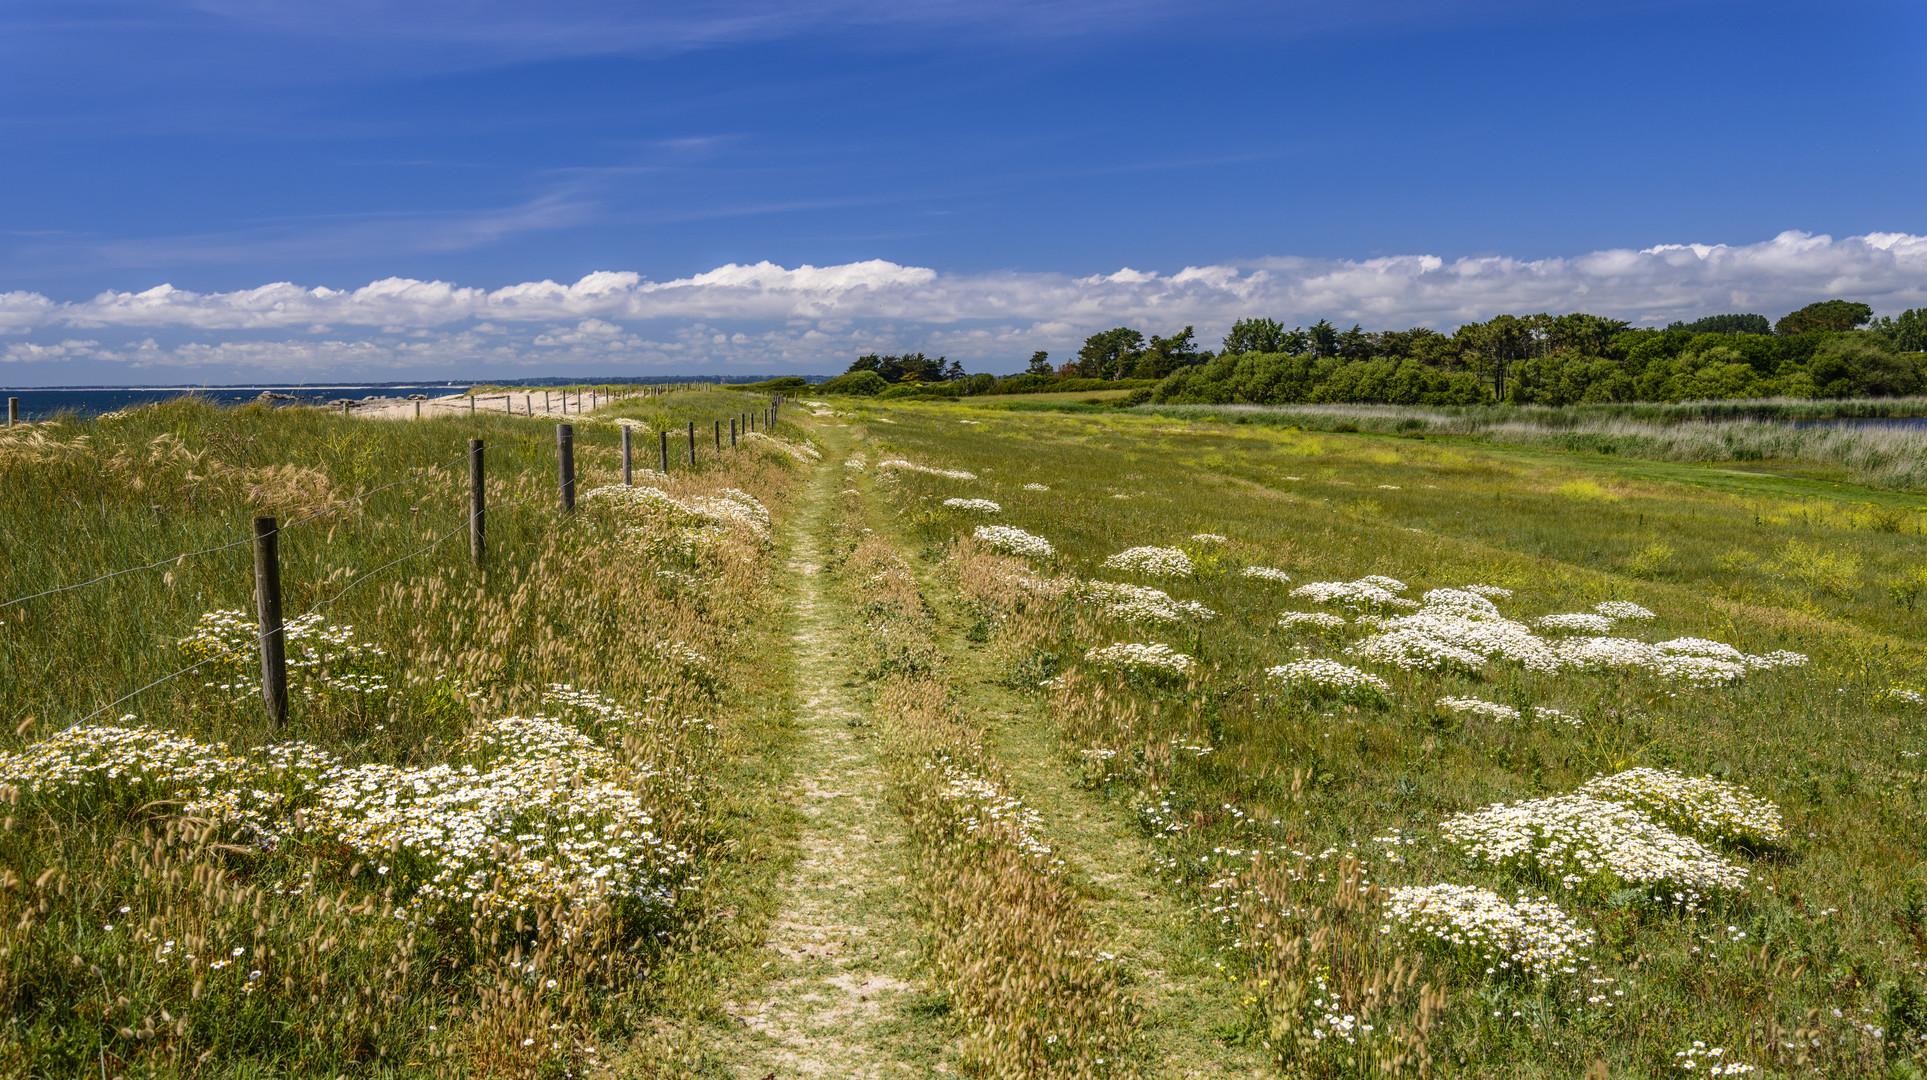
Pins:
<point x="841" y="991"/>
<point x="841" y="952"/>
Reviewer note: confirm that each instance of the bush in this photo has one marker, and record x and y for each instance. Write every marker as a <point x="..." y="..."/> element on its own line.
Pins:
<point x="921" y="390"/>
<point x="787" y="384"/>
<point x="855" y="384"/>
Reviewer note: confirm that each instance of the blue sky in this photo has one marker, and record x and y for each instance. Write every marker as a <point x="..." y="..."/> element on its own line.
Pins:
<point x="975" y="179"/>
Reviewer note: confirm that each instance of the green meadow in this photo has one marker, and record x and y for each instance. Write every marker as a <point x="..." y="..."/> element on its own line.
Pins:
<point x="935" y="739"/>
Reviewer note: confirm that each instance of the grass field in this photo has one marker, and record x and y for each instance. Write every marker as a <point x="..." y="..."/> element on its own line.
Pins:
<point x="1010" y="743"/>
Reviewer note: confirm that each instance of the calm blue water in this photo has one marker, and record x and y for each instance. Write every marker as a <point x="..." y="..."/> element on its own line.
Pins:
<point x="40" y="404"/>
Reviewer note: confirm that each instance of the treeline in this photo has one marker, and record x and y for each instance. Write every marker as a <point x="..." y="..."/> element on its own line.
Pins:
<point x="1830" y="349"/>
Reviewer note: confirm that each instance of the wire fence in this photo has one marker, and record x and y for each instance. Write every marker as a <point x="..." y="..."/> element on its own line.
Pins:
<point x="565" y="444"/>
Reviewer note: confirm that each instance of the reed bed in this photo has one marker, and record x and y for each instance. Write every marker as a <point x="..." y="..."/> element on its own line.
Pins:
<point x="1702" y="432"/>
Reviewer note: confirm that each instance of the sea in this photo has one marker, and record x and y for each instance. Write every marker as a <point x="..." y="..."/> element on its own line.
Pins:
<point x="41" y="403"/>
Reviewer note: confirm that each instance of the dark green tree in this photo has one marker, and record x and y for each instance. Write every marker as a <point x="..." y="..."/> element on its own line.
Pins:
<point x="1167" y="354"/>
<point x="1254" y="336"/>
<point x="1907" y="331"/>
<point x="1726" y="324"/>
<point x="1833" y="315"/>
<point x="1107" y="355"/>
<point x="1324" y="338"/>
<point x="1039" y="363"/>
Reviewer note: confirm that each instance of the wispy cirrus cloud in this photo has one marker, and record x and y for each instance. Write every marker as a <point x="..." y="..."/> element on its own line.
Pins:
<point x="761" y="315"/>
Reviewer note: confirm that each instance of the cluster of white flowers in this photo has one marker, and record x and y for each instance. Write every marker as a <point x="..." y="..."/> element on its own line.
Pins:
<point x="1702" y="1060"/>
<point x="856" y="463"/>
<point x="1458" y="629"/>
<point x="1152" y="561"/>
<point x="1492" y="710"/>
<point x="1036" y="487"/>
<point x="1903" y="695"/>
<point x="1705" y="807"/>
<point x="729" y="508"/>
<point x="1141" y="603"/>
<point x="1012" y="541"/>
<point x="984" y="506"/>
<point x="1492" y="592"/>
<point x="1208" y="538"/>
<point x="554" y="818"/>
<point x="143" y="759"/>
<point x="321" y="656"/>
<point x="1329" y="678"/>
<point x="548" y="815"/>
<point x="987" y="811"/>
<point x="1317" y="620"/>
<point x="899" y="463"/>
<point x="1471" y="706"/>
<point x="801" y="451"/>
<point x="1158" y="659"/>
<point x="1367" y="592"/>
<point x="1694" y="660"/>
<point x="1622" y="609"/>
<point x="1265" y="573"/>
<point x="1585" y="842"/>
<point x="1505" y="938"/>
<point x="1579" y="622"/>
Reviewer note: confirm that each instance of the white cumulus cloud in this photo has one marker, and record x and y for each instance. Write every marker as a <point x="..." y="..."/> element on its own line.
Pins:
<point x="765" y="315"/>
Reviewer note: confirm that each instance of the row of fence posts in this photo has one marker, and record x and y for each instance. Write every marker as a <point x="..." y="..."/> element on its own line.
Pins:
<point x="267" y="554"/>
<point x="508" y="406"/>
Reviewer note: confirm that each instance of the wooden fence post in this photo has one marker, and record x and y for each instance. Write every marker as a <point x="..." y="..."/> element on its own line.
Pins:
<point x="665" y="451"/>
<point x="477" y="502"/>
<point x="565" y="464"/>
<point x="719" y="435"/>
<point x="471" y="405"/>
<point x="628" y="473"/>
<point x="732" y="433"/>
<point x="13" y="411"/>
<point x="418" y="410"/>
<point x="267" y="606"/>
<point x="692" y="442"/>
<point x="545" y="403"/>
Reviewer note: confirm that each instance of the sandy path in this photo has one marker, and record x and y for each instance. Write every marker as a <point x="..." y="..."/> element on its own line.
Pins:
<point x="518" y="403"/>
<point x="840" y="953"/>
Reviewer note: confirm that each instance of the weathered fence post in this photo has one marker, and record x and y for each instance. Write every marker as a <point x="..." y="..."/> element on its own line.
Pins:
<point x="471" y="405"/>
<point x="418" y="410"/>
<point x="628" y="473"/>
<point x="267" y="606"/>
<point x="545" y="402"/>
<point x="732" y="433"/>
<point x="665" y="452"/>
<point x="565" y="464"/>
<point x="477" y="502"/>
<point x="13" y="411"/>
<point x="692" y="442"/>
<point x="719" y="435"/>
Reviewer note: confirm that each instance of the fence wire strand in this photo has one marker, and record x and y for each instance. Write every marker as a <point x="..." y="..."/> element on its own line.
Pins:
<point x="249" y="540"/>
<point x="261" y="636"/>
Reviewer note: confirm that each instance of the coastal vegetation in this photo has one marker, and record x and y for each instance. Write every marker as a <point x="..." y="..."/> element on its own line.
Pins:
<point x="931" y="738"/>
